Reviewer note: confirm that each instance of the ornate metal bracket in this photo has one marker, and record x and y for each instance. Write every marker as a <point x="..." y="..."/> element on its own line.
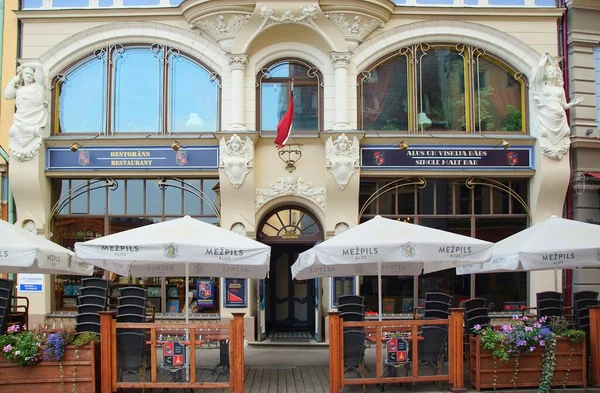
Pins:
<point x="293" y="156"/>
<point x="181" y="184"/>
<point x="484" y="181"/>
<point x="393" y="185"/>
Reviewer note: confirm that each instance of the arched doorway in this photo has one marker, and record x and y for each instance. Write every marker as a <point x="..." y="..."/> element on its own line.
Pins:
<point x="288" y="309"/>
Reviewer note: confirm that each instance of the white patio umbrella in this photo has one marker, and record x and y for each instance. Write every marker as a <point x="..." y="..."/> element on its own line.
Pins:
<point x="177" y="248"/>
<point x="386" y="247"/>
<point x="24" y="252"/>
<point x="555" y="243"/>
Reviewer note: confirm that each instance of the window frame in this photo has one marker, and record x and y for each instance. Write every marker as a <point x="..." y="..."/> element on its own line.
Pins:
<point x="107" y="56"/>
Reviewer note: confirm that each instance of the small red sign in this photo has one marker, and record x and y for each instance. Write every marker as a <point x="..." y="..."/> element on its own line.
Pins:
<point x="168" y="349"/>
<point x="178" y="360"/>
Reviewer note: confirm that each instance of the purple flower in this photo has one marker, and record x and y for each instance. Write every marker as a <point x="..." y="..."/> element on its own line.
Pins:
<point x="537" y="325"/>
<point x="515" y="318"/>
<point x="542" y="343"/>
<point x="477" y="327"/>
<point x="525" y="318"/>
<point x="528" y="328"/>
<point x="531" y="349"/>
<point x="7" y="348"/>
<point x="543" y="319"/>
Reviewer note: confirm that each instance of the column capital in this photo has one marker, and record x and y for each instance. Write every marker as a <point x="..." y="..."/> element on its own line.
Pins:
<point x="238" y="61"/>
<point x="340" y="59"/>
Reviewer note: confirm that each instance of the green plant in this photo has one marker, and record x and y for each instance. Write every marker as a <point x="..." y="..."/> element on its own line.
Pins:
<point x="20" y="346"/>
<point x="85" y="339"/>
<point x="548" y="363"/>
<point x="513" y="120"/>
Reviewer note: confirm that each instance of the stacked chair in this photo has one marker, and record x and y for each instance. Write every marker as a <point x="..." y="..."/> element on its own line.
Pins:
<point x="93" y="298"/>
<point x="581" y="312"/>
<point x="476" y="313"/>
<point x="437" y="305"/>
<point x="131" y="346"/>
<point x="11" y="314"/>
<point x="550" y="304"/>
<point x="351" y="308"/>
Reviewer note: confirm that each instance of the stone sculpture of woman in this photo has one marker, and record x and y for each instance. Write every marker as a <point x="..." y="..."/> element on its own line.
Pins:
<point x="27" y="89"/>
<point x="236" y="158"/>
<point x="342" y="158"/>
<point x="549" y="108"/>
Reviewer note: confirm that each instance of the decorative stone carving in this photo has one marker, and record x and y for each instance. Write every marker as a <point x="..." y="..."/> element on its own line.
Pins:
<point x="340" y="228"/>
<point x="222" y="28"/>
<point x="549" y="108"/>
<point x="353" y="28"/>
<point x="238" y="62"/>
<point x="290" y="186"/>
<point x="27" y="89"/>
<point x="238" y="228"/>
<point x="342" y="158"/>
<point x="308" y="14"/>
<point x="236" y="159"/>
<point x="340" y="59"/>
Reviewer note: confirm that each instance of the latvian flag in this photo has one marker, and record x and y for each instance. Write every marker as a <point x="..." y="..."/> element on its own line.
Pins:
<point x="284" y="128"/>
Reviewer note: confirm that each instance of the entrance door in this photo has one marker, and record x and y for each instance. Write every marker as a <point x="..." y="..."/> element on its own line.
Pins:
<point x="285" y="304"/>
<point x="293" y="300"/>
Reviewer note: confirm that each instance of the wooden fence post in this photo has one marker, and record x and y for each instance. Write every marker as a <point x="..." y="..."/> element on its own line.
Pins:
<point x="595" y="344"/>
<point x="106" y="344"/>
<point x="335" y="356"/>
<point x="236" y="359"/>
<point x="455" y="350"/>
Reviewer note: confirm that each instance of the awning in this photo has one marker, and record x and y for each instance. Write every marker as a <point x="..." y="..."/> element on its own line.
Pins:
<point x="593" y="174"/>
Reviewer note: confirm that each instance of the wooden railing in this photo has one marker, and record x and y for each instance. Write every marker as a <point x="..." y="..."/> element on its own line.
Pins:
<point x="595" y="344"/>
<point x="233" y="332"/>
<point x="455" y="375"/>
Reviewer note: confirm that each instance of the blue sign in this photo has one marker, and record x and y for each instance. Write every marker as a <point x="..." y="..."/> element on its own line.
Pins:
<point x="30" y="287"/>
<point x="139" y="157"/>
<point x="446" y="157"/>
<point x="235" y="292"/>
<point x="205" y="293"/>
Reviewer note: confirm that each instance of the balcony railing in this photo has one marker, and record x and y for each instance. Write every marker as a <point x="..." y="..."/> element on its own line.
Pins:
<point x="65" y="4"/>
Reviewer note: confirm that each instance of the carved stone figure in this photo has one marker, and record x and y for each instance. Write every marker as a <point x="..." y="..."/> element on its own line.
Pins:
<point x="236" y="158"/>
<point x="27" y="89"/>
<point x="549" y="108"/>
<point x="342" y="158"/>
<point x="291" y="186"/>
<point x="239" y="228"/>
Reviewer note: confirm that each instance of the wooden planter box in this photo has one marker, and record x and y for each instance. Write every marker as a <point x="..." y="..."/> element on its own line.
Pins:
<point x="569" y="356"/>
<point x="45" y="377"/>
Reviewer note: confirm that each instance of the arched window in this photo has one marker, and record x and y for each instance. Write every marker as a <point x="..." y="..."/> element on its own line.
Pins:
<point x="436" y="88"/>
<point x="274" y="83"/>
<point x="136" y="89"/>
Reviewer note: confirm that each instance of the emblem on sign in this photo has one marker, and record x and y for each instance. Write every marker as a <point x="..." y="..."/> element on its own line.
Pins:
<point x="171" y="251"/>
<point x="181" y="158"/>
<point x="378" y="158"/>
<point x="408" y="250"/>
<point x="512" y="158"/>
<point x="173" y="356"/>
<point x="84" y="158"/>
<point x="397" y="351"/>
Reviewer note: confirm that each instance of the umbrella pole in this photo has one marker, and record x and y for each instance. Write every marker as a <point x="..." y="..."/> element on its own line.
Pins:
<point x="379" y="295"/>
<point x="187" y="320"/>
<point x="186" y="290"/>
<point x="556" y="280"/>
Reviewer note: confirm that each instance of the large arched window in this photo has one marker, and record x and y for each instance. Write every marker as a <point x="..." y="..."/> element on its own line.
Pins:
<point x="436" y="88"/>
<point x="136" y="89"/>
<point x="273" y="91"/>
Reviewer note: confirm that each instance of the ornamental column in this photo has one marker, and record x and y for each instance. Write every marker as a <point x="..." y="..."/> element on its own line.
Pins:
<point x="340" y="65"/>
<point x="238" y="65"/>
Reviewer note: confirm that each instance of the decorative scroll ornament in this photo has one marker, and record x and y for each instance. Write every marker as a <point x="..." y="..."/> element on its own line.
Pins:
<point x="238" y="62"/>
<point x="342" y="158"/>
<point x="29" y="121"/>
<point x="238" y="228"/>
<point x="236" y="159"/>
<point x="340" y="59"/>
<point x="340" y="228"/>
<point x="290" y="186"/>
<point x="222" y="28"/>
<point x="355" y="30"/>
<point x="549" y="108"/>
<point x="308" y="14"/>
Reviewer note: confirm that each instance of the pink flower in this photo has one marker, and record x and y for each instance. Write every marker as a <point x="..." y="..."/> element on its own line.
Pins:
<point x="528" y="328"/>
<point x="477" y="327"/>
<point x="7" y="348"/>
<point x="531" y="349"/>
<point x="537" y="325"/>
<point x="525" y="318"/>
<point x="542" y="343"/>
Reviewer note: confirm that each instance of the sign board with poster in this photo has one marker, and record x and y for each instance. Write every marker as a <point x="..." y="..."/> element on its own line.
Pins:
<point x="514" y="308"/>
<point x="173" y="356"/>
<point x="205" y="293"/>
<point x="341" y="286"/>
<point x="235" y="292"/>
<point x="397" y="350"/>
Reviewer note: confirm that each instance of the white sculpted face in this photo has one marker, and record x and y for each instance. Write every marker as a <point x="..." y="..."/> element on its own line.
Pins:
<point x="551" y="73"/>
<point x="235" y="145"/>
<point x="28" y="75"/>
<point x="343" y="145"/>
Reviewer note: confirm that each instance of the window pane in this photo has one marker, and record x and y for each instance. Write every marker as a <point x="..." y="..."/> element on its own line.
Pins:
<point x="194" y="98"/>
<point x="116" y="199"/>
<point x="191" y="201"/>
<point x="367" y="188"/>
<point x="64" y="189"/>
<point x="386" y="202"/>
<point x="79" y="197"/>
<point x="397" y="292"/>
<point x="97" y="198"/>
<point x="497" y="98"/>
<point x="443" y="196"/>
<point x="500" y="202"/>
<point x="306" y="107"/>
<point x="154" y="199"/>
<point x="274" y="100"/>
<point x="82" y="100"/>
<point x="406" y="200"/>
<point x="385" y="96"/>
<point x="138" y="91"/>
<point x="135" y="197"/>
<point x="441" y="91"/>
<point x="446" y="281"/>
<point x="463" y="198"/>
<point x="426" y="198"/>
<point x="461" y="226"/>
<point x="207" y="188"/>
<point x="288" y="70"/>
<point x="173" y="199"/>
<point x="482" y="200"/>
<point x="520" y="186"/>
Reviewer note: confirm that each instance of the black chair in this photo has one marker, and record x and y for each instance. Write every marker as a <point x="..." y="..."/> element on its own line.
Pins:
<point x="131" y="309"/>
<point x="96" y="291"/>
<point x="435" y="314"/>
<point x="431" y="349"/>
<point x="87" y="318"/>
<point x="350" y="307"/>
<point x="475" y="302"/>
<point x="89" y="308"/>
<point x="130" y="318"/>
<point x="6" y="284"/>
<point x="354" y="299"/>
<point x="548" y="295"/>
<point x="436" y="305"/>
<point x="438" y="297"/>
<point x="91" y="327"/>
<point x="584" y="295"/>
<point x="354" y="342"/>
<point x="95" y="282"/>
<point x="130" y="348"/>
<point x="133" y="291"/>
<point x="132" y="300"/>
<point x="352" y="317"/>
<point x="92" y="299"/>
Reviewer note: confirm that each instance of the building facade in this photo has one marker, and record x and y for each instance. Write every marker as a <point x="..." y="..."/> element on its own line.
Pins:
<point x="421" y="111"/>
